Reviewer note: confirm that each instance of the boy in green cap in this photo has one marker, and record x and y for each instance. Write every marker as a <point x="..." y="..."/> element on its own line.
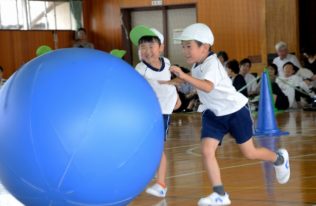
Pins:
<point x="155" y="68"/>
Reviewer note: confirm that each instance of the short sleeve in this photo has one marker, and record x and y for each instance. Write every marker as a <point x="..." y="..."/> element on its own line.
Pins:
<point x="140" y="68"/>
<point x="214" y="72"/>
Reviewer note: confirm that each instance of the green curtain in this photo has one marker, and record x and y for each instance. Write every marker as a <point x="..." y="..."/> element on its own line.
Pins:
<point x="76" y="10"/>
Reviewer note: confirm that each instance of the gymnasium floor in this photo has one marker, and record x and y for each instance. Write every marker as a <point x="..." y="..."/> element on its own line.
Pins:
<point x="248" y="182"/>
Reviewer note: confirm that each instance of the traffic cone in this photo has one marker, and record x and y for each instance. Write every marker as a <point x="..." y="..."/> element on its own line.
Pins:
<point x="266" y="123"/>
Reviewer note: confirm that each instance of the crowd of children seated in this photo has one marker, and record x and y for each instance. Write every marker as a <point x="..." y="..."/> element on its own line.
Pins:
<point x="293" y="83"/>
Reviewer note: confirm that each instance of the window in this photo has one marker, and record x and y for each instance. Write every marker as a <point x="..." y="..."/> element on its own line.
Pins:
<point x="41" y="14"/>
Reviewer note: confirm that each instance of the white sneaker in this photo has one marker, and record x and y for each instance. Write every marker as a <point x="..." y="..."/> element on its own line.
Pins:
<point x="157" y="190"/>
<point x="283" y="171"/>
<point x="215" y="200"/>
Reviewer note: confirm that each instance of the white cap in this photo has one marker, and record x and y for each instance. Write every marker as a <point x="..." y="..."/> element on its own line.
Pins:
<point x="158" y="34"/>
<point x="280" y="45"/>
<point x="199" y="32"/>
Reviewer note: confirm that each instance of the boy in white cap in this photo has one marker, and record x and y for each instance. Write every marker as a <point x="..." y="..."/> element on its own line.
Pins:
<point x="225" y="111"/>
<point x="155" y="68"/>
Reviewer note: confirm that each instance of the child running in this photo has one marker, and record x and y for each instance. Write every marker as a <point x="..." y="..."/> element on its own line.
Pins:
<point x="225" y="110"/>
<point x="155" y="68"/>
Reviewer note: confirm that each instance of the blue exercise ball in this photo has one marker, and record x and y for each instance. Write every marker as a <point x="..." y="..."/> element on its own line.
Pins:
<point x="78" y="127"/>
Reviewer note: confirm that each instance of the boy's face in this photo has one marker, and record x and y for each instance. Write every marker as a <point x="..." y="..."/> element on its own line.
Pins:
<point x="221" y="59"/>
<point x="271" y="73"/>
<point x="229" y="72"/>
<point x="282" y="53"/>
<point x="193" y="52"/>
<point x="82" y="35"/>
<point x="244" y="68"/>
<point x="288" y="70"/>
<point x="150" y="51"/>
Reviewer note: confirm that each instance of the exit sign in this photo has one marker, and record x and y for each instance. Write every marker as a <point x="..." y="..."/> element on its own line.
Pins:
<point x="156" y="2"/>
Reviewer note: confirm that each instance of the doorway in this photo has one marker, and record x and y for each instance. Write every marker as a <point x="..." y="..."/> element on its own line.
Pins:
<point x="169" y="20"/>
<point x="307" y="22"/>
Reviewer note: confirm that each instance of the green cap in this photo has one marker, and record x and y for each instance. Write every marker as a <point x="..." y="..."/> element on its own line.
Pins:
<point x="141" y="30"/>
<point x="43" y="50"/>
<point x="118" y="53"/>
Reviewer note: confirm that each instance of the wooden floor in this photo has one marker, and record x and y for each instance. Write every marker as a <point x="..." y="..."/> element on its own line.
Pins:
<point x="248" y="182"/>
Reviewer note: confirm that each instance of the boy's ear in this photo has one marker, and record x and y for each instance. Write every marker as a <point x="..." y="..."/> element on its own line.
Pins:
<point x="206" y="47"/>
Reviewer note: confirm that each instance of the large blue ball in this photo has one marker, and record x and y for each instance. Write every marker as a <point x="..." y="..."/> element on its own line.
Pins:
<point x="78" y="127"/>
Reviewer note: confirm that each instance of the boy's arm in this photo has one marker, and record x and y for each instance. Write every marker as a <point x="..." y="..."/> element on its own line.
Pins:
<point x="178" y="103"/>
<point x="176" y="81"/>
<point x="203" y="85"/>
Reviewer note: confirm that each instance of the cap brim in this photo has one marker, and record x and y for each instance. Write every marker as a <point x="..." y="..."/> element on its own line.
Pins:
<point x="138" y="32"/>
<point x="118" y="53"/>
<point x="183" y="38"/>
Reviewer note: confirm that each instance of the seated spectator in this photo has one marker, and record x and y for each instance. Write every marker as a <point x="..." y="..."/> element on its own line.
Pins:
<point x="283" y="57"/>
<point x="2" y="80"/>
<point x="188" y="96"/>
<point x="280" y="99"/>
<point x="223" y="58"/>
<point x="238" y="80"/>
<point x="293" y="86"/>
<point x="81" y="40"/>
<point x="245" y="66"/>
<point x="187" y="93"/>
<point x="305" y="74"/>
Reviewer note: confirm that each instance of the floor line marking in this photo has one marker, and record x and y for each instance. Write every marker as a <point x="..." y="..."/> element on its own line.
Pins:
<point x="230" y="167"/>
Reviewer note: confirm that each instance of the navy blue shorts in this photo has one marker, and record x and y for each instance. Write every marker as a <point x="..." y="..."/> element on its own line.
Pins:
<point x="238" y="124"/>
<point x="166" y="123"/>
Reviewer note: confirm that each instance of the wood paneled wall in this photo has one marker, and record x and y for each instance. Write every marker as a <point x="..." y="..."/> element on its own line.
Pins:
<point x="18" y="47"/>
<point x="241" y="27"/>
<point x="282" y="24"/>
<point x="235" y="24"/>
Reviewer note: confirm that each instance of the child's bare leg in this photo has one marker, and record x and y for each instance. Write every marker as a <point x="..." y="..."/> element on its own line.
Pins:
<point x="209" y="146"/>
<point x="251" y="152"/>
<point x="191" y="104"/>
<point x="159" y="189"/>
<point x="161" y="174"/>
<point x="280" y="159"/>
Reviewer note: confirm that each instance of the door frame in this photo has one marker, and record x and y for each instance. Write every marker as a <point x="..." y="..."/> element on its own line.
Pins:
<point x="127" y="25"/>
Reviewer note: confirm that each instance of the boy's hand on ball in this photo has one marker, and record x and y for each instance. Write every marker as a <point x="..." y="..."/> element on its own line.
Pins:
<point x="177" y="71"/>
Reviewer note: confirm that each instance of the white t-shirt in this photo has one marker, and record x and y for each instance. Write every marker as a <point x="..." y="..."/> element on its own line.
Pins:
<point x="166" y="94"/>
<point x="280" y="62"/>
<point x="305" y="73"/>
<point x="223" y="99"/>
<point x="251" y="88"/>
<point x="288" y="84"/>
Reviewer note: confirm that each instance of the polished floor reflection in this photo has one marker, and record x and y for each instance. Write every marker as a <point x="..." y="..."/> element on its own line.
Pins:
<point x="248" y="182"/>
